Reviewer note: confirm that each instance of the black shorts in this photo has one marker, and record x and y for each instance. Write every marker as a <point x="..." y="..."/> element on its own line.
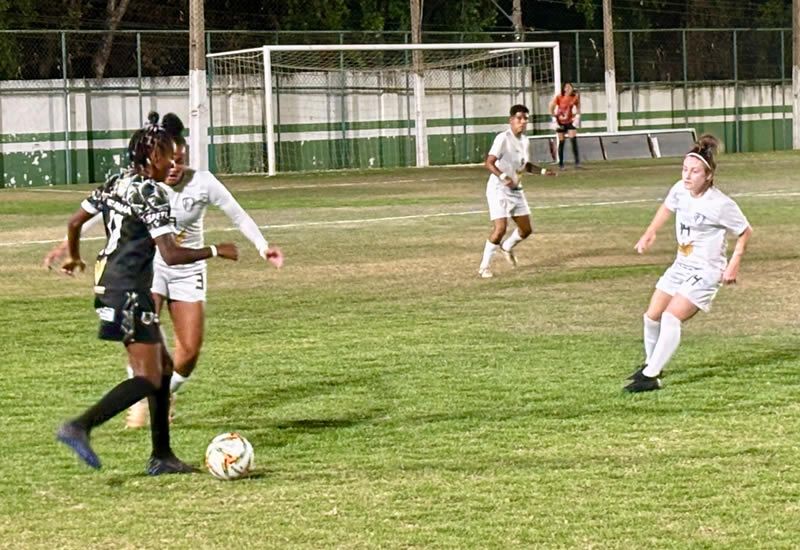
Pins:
<point x="128" y="317"/>
<point x="564" y="128"/>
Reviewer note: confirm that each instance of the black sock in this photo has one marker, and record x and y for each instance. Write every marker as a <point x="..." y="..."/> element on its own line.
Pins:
<point x="561" y="153"/>
<point x="575" y="150"/>
<point x="122" y="396"/>
<point x="159" y="419"/>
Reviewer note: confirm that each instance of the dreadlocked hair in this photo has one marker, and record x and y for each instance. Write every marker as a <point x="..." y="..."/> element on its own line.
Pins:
<point x="174" y="127"/>
<point x="153" y="136"/>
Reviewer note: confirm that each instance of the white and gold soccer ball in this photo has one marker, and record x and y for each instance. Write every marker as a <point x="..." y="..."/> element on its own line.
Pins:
<point x="229" y="456"/>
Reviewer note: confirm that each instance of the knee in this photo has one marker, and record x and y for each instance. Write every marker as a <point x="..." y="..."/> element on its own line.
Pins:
<point x="153" y="377"/>
<point x="654" y="316"/>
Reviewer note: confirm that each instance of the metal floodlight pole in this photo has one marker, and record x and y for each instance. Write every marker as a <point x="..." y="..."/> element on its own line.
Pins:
<point x="418" y="81"/>
<point x="611" y="83"/>
<point x="198" y="96"/>
<point x="796" y="74"/>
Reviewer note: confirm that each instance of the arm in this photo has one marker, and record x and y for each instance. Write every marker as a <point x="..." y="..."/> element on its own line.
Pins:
<point x="74" y="226"/>
<point x="174" y="254"/>
<point x="222" y="197"/>
<point x="61" y="249"/>
<point x="649" y="237"/>
<point x="730" y="273"/>
<point x="491" y="165"/>
<point x="532" y="168"/>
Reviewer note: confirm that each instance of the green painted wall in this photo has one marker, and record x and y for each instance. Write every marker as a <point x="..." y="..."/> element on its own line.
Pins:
<point x="89" y="164"/>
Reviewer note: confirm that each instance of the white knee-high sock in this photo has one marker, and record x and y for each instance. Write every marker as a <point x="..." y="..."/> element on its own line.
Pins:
<point x="669" y="339"/>
<point x="488" y="251"/>
<point x="651" y="330"/>
<point x="176" y="382"/>
<point x="512" y="241"/>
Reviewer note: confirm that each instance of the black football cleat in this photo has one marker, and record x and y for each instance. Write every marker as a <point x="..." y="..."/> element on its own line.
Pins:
<point x="640" y="383"/>
<point x="638" y="372"/>
<point x="77" y="438"/>
<point x="168" y="465"/>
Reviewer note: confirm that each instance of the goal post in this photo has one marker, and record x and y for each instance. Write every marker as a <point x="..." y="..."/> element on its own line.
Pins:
<point x="321" y="107"/>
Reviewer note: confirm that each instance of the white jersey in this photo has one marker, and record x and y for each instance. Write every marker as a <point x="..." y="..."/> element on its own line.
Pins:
<point x="701" y="224"/>
<point x="512" y="156"/>
<point x="189" y="201"/>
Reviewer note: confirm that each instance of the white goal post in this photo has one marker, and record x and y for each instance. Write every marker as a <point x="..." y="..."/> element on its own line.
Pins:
<point x="320" y="107"/>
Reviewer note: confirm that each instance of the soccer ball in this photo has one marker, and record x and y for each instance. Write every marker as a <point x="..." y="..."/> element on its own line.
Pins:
<point x="229" y="456"/>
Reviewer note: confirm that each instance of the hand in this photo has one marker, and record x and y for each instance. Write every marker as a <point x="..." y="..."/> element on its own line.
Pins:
<point x="274" y="256"/>
<point x="70" y="265"/>
<point x="729" y="275"/>
<point x="645" y="242"/>
<point x="228" y="251"/>
<point x="55" y="255"/>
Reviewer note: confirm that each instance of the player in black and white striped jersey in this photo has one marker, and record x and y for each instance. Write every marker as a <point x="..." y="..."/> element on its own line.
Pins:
<point x="136" y="214"/>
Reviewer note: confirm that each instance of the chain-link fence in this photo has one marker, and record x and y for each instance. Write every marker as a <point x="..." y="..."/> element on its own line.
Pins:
<point x="77" y="88"/>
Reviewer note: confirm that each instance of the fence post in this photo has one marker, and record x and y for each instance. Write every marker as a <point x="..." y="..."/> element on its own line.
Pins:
<point x="736" y="113"/>
<point x="633" y="78"/>
<point x="212" y="153"/>
<point x="67" y="152"/>
<point x="342" y="105"/>
<point x="783" y="90"/>
<point x="577" y="58"/>
<point x="685" y="80"/>
<point x="139" y="74"/>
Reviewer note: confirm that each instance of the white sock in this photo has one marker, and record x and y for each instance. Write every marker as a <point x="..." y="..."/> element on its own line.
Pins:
<point x="488" y="251"/>
<point x="176" y="382"/>
<point x="130" y="371"/>
<point x="668" y="341"/>
<point x="651" y="330"/>
<point x="512" y="241"/>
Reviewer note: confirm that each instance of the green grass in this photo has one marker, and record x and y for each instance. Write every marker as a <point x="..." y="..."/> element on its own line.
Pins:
<point x="396" y="400"/>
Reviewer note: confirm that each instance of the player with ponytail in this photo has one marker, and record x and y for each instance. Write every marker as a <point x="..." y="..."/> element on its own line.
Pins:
<point x="704" y="215"/>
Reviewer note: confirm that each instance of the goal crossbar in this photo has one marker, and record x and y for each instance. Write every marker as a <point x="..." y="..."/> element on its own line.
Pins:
<point x="389" y="47"/>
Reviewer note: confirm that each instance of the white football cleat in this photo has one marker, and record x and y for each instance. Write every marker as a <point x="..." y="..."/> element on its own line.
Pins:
<point x="510" y="257"/>
<point x="138" y="415"/>
<point x="485" y="273"/>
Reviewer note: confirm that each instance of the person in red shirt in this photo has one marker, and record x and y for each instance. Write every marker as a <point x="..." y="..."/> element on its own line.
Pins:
<point x="566" y="111"/>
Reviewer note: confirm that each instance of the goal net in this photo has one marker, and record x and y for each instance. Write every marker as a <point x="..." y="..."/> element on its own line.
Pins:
<point x="295" y="108"/>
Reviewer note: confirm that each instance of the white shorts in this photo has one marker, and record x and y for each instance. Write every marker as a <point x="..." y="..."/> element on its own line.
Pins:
<point x="506" y="204"/>
<point x="178" y="286"/>
<point x="699" y="286"/>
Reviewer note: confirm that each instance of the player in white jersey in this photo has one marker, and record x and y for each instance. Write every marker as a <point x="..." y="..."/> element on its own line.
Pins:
<point x="704" y="216"/>
<point x="507" y="161"/>
<point x="183" y="287"/>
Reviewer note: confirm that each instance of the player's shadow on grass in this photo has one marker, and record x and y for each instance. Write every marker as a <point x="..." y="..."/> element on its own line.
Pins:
<point x="731" y="363"/>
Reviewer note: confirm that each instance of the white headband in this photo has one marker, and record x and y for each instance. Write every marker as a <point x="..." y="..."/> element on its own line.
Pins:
<point x="695" y="155"/>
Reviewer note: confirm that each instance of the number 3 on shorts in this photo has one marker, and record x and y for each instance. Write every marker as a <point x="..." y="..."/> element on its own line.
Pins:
<point x="200" y="282"/>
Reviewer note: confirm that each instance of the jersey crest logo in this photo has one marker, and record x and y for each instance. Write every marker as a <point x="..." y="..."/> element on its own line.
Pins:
<point x="188" y="203"/>
<point x="685" y="249"/>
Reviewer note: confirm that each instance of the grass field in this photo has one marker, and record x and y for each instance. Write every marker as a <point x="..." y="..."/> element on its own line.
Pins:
<point x="396" y="400"/>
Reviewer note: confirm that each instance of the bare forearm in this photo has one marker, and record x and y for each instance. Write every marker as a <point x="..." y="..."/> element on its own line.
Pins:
<point x="741" y="245"/>
<point x="661" y="217"/>
<point x="180" y="255"/>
